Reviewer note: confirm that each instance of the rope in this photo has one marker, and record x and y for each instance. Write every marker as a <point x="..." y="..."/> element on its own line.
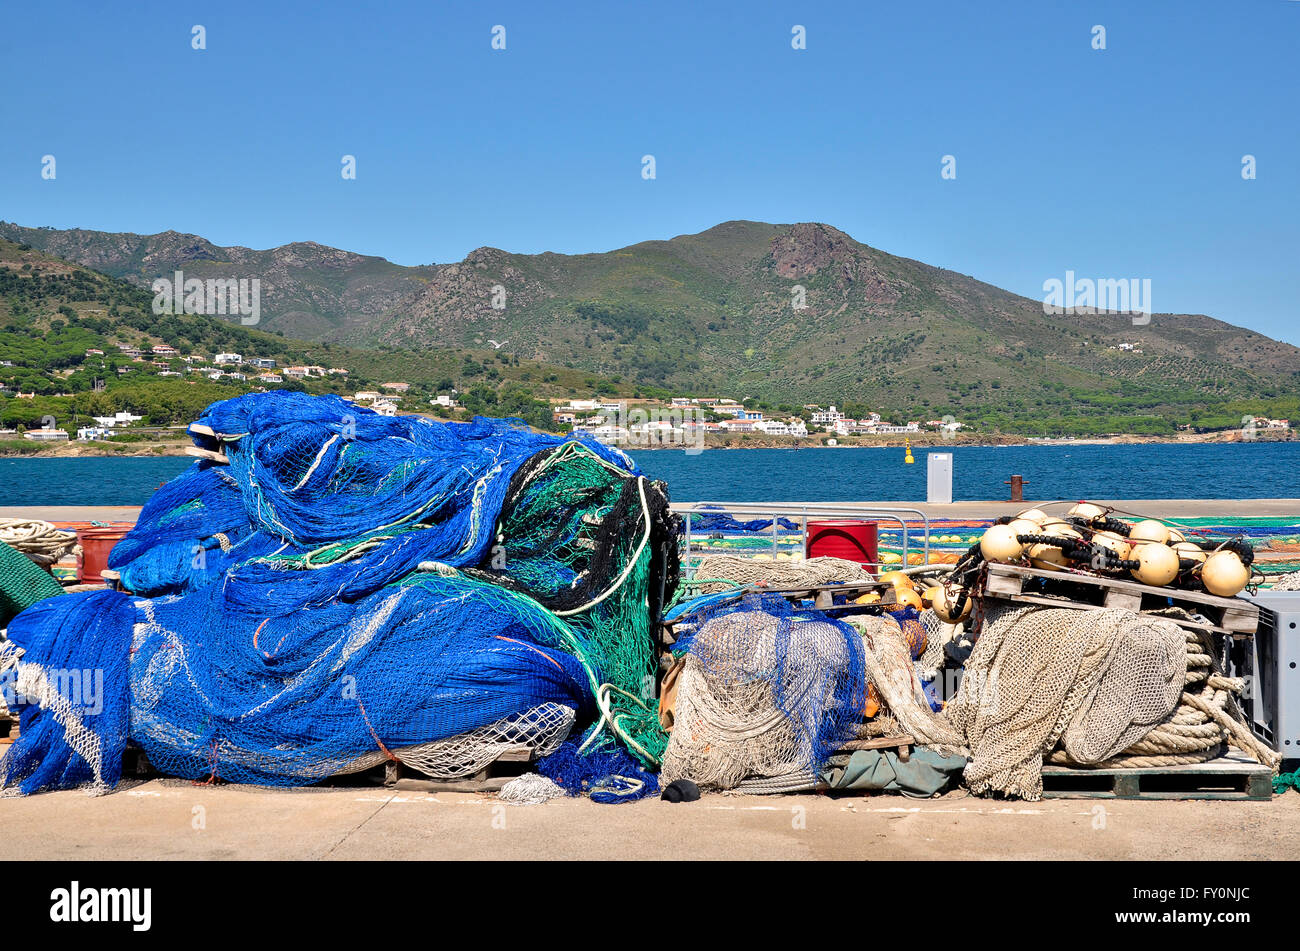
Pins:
<point x="1207" y="717"/>
<point x="38" y="540"/>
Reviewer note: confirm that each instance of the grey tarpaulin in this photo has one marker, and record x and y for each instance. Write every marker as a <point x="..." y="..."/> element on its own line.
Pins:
<point x="925" y="773"/>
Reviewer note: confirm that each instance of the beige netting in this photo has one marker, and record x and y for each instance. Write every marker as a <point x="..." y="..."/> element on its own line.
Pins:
<point x="1206" y="718"/>
<point x="1036" y="676"/>
<point x="777" y="574"/>
<point x="728" y="725"/>
<point x="541" y="729"/>
<point x="890" y="669"/>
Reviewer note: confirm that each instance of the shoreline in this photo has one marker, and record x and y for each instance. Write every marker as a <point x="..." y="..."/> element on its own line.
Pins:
<point x="928" y="441"/>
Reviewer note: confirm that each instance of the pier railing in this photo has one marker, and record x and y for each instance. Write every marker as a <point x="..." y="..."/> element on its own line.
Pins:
<point x="801" y="511"/>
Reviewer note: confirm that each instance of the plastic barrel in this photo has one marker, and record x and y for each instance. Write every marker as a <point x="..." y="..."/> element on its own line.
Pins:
<point x="96" y="542"/>
<point x="849" y="538"/>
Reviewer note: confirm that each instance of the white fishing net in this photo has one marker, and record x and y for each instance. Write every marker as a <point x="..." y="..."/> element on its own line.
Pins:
<point x="753" y="699"/>
<point x="541" y="730"/>
<point x="777" y="574"/>
<point x="1095" y="680"/>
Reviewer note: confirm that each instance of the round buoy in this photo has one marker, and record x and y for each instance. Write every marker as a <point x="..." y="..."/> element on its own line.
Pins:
<point x="897" y="579"/>
<point x="1000" y="544"/>
<point x="1047" y="556"/>
<point x="1157" y="564"/>
<point x="871" y="597"/>
<point x="1087" y="510"/>
<point x="1175" y="536"/>
<point x="1190" y="551"/>
<point x="943" y="605"/>
<point x="1024" y="526"/>
<point x="1055" y="526"/>
<point x="1149" y="530"/>
<point x="1224" y="573"/>
<point x="1034" y="515"/>
<point x="908" y="597"/>
<point x="928" y="595"/>
<point x="1114" y="542"/>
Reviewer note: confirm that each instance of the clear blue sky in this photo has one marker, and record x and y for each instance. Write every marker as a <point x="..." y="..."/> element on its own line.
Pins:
<point x="1117" y="163"/>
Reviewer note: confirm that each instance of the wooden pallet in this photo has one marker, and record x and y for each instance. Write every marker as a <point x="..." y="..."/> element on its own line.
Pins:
<point x="901" y="744"/>
<point x="512" y="763"/>
<point x="1236" y="617"/>
<point x="1234" y="776"/>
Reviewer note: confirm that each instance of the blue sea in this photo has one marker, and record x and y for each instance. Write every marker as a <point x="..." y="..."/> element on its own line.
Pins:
<point x="1218" y="471"/>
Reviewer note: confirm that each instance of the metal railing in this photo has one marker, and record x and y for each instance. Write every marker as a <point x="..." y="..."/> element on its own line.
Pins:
<point x="802" y="511"/>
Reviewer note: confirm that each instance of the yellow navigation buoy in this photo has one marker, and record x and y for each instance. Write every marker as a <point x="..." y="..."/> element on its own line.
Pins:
<point x="1224" y="573"/>
<point x="942" y="605"/>
<point x="908" y="459"/>
<point x="1000" y="544"/>
<point x="1157" y="564"/>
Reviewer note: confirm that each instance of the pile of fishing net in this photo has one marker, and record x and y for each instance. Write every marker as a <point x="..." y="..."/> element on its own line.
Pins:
<point x="1090" y="688"/>
<point x="763" y="694"/>
<point x="714" y="571"/>
<point x="331" y="588"/>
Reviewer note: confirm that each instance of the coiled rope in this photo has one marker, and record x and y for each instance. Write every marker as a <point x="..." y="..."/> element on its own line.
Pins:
<point x="38" y="540"/>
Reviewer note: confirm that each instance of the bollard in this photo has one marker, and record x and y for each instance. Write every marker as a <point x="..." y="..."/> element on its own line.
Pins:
<point x="1017" y="484"/>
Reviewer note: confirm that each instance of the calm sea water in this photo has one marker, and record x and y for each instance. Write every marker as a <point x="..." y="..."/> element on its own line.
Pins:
<point x="1237" y="470"/>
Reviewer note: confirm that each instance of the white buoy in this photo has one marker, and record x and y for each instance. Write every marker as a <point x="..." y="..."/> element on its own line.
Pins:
<point x="1114" y="542"/>
<point x="1025" y="526"/>
<point x="1034" y="515"/>
<point x="1000" y="544"/>
<point x="1157" y="564"/>
<point x="942" y="605"/>
<point x="1087" y="510"/>
<point x="1190" y="551"/>
<point x="1224" y="573"/>
<point x="1149" y="530"/>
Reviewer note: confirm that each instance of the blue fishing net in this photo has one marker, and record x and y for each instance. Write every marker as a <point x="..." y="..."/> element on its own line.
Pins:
<point x="349" y="584"/>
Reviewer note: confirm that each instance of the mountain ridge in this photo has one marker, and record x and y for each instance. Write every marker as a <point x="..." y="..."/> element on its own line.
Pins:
<point x="717" y="310"/>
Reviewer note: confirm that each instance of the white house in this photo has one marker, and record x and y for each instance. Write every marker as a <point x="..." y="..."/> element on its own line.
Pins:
<point x="222" y="358"/>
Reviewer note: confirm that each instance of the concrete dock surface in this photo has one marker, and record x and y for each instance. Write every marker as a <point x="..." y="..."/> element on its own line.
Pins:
<point x="174" y="819"/>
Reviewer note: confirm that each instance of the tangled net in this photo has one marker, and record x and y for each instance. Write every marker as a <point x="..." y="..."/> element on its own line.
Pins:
<point x="352" y="588"/>
<point x="1089" y="688"/>
<point x="765" y="695"/>
<point x="748" y="571"/>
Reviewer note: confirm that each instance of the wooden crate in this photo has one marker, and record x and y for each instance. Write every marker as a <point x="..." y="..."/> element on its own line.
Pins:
<point x="1236" y="617"/>
<point x="1233" y="776"/>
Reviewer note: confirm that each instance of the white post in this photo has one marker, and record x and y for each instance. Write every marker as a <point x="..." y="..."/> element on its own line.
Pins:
<point x="938" y="478"/>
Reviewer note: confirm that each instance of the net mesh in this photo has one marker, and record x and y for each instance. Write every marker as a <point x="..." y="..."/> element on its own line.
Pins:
<point x="354" y="586"/>
<point x="765" y="691"/>
<point x="1097" y="680"/>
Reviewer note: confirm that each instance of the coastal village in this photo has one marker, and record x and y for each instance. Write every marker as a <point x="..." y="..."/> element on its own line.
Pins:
<point x="611" y="421"/>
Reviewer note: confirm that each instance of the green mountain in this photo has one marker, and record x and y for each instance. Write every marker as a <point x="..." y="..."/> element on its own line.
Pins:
<point x="714" y="313"/>
<point x="63" y="327"/>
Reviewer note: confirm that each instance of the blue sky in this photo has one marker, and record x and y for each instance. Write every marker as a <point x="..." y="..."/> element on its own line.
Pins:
<point x="1116" y="163"/>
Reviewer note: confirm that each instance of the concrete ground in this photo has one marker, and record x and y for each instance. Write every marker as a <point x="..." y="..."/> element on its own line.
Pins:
<point x="171" y="819"/>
